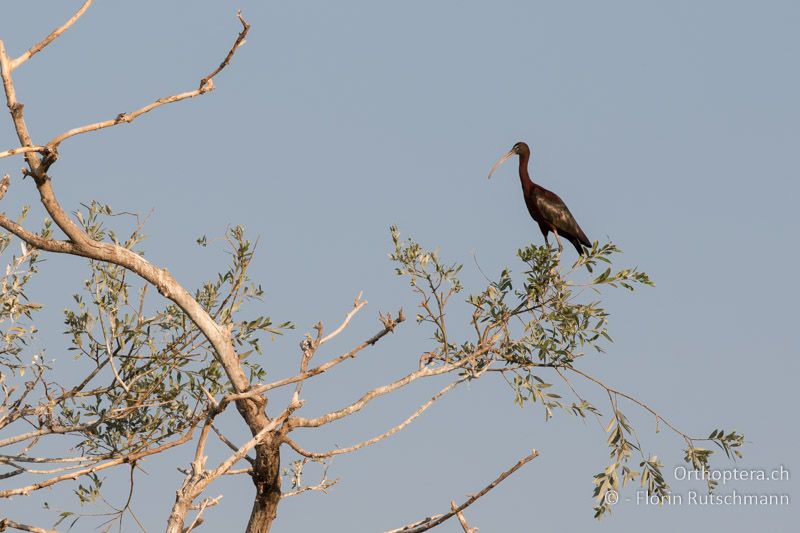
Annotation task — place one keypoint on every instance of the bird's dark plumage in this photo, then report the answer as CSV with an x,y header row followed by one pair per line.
x,y
545,207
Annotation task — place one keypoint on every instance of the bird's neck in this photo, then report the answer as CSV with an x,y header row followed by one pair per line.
x,y
524,177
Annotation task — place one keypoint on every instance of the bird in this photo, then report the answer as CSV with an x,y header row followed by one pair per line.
x,y
545,207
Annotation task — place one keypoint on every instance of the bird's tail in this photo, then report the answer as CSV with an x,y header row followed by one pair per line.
x,y
579,246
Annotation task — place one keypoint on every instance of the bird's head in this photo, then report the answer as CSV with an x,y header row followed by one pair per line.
x,y
520,149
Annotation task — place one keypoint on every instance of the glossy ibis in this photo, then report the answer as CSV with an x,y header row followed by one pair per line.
x,y
545,207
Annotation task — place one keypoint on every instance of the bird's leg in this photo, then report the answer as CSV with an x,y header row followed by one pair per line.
x,y
558,240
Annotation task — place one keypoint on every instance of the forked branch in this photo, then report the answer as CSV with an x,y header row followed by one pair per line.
x,y
359,404
260,389
461,518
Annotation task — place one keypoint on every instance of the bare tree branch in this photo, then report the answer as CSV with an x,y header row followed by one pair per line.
x,y
431,522
198,519
82,245
14,107
22,150
323,485
260,389
38,47
96,468
392,431
206,85
7,523
461,518
358,304
230,444
296,422
53,430
239,42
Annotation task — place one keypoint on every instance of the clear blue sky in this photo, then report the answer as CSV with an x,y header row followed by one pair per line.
x,y
671,128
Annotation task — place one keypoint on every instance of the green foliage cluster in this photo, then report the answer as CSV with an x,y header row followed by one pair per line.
x,y
16,311
149,370
538,325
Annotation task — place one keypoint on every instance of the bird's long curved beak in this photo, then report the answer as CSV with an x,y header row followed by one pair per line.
x,y
500,161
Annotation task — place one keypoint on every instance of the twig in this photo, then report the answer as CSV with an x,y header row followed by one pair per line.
x,y
22,150
230,444
110,353
238,471
429,523
198,519
26,459
53,430
239,42
641,404
309,347
50,38
4,184
322,486
358,304
6,523
461,518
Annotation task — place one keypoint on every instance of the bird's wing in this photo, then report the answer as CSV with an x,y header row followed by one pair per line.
x,y
556,213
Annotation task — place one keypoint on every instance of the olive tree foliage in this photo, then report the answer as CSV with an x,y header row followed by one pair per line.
x,y
155,365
